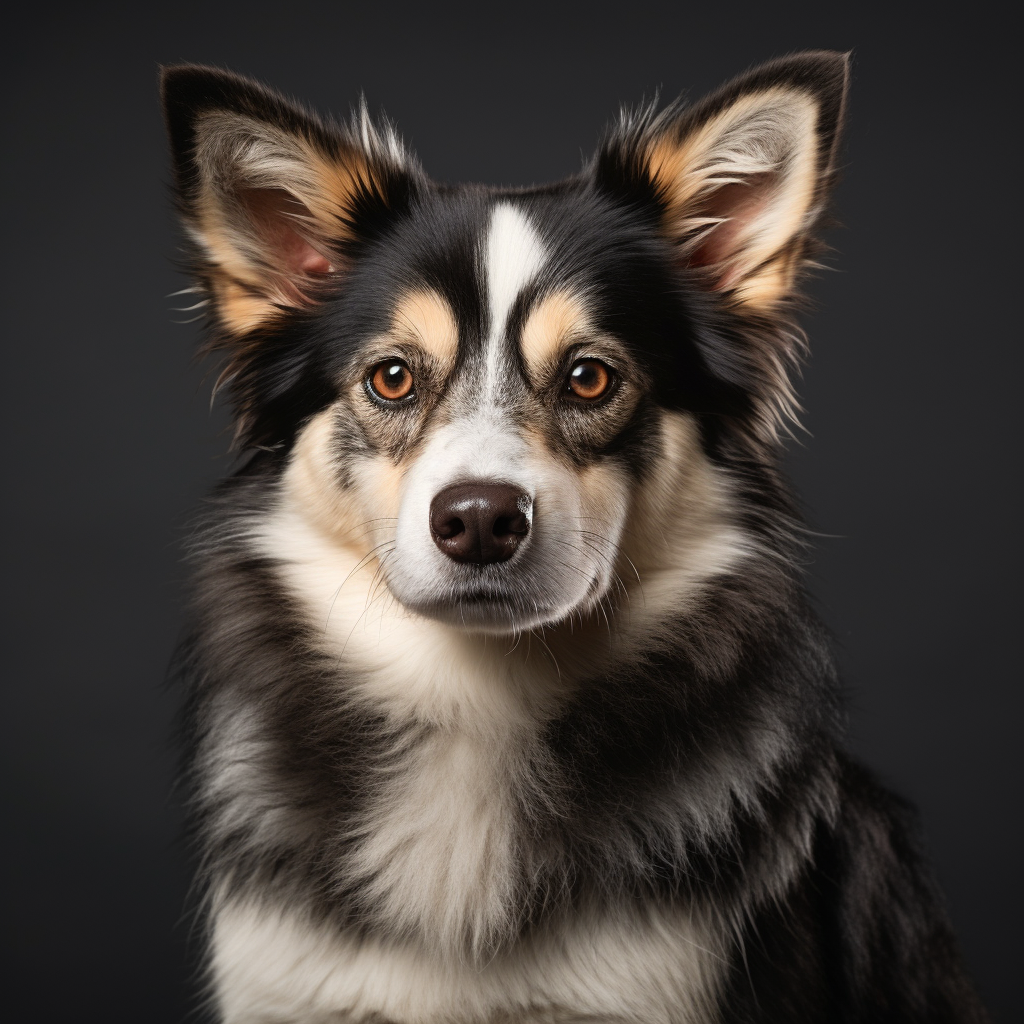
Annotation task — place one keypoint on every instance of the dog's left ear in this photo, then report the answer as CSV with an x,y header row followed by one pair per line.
x,y
740,178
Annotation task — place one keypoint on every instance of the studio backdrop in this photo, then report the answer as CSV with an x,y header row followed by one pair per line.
x,y
908,465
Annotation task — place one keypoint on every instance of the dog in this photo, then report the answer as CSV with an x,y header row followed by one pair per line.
x,y
504,699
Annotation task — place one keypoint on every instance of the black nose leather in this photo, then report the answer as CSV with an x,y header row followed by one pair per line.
x,y
479,521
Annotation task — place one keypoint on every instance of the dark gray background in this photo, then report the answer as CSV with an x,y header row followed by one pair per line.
x,y
911,474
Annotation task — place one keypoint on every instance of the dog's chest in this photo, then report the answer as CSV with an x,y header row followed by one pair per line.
x,y
436,853
623,966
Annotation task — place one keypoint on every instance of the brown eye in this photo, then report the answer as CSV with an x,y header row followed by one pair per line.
x,y
391,380
589,380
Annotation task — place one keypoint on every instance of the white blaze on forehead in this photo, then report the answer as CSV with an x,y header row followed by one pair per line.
x,y
515,256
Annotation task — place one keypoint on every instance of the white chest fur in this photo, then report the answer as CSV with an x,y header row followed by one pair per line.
x,y
436,854
627,967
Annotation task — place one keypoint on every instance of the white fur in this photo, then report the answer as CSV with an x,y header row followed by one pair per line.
x,y
514,256
635,966
436,846
438,850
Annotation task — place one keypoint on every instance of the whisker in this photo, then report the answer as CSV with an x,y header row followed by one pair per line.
x,y
359,565
554,660
355,625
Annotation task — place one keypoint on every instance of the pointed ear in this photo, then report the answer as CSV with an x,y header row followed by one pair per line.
x,y
741,178
275,199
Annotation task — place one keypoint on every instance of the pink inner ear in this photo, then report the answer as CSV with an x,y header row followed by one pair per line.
x,y
739,204
307,259
273,212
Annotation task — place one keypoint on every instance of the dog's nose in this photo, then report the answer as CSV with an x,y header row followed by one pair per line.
x,y
479,522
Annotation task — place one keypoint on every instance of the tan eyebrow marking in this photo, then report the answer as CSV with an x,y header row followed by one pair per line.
x,y
554,322
427,319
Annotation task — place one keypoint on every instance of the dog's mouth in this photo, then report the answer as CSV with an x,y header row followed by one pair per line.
x,y
473,597
485,609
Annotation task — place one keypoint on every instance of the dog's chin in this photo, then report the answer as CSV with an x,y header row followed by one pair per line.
x,y
490,615
487,612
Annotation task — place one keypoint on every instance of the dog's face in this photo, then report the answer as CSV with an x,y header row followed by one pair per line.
x,y
489,423
502,397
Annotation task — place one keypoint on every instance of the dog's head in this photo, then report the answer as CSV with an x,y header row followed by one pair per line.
x,y
506,396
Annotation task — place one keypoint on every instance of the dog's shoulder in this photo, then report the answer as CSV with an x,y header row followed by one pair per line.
x,y
862,934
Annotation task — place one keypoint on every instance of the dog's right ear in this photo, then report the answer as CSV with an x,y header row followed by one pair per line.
x,y
276,200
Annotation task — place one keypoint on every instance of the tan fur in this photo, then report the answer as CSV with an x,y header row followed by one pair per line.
x,y
681,533
312,483
425,318
239,309
554,323
678,532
